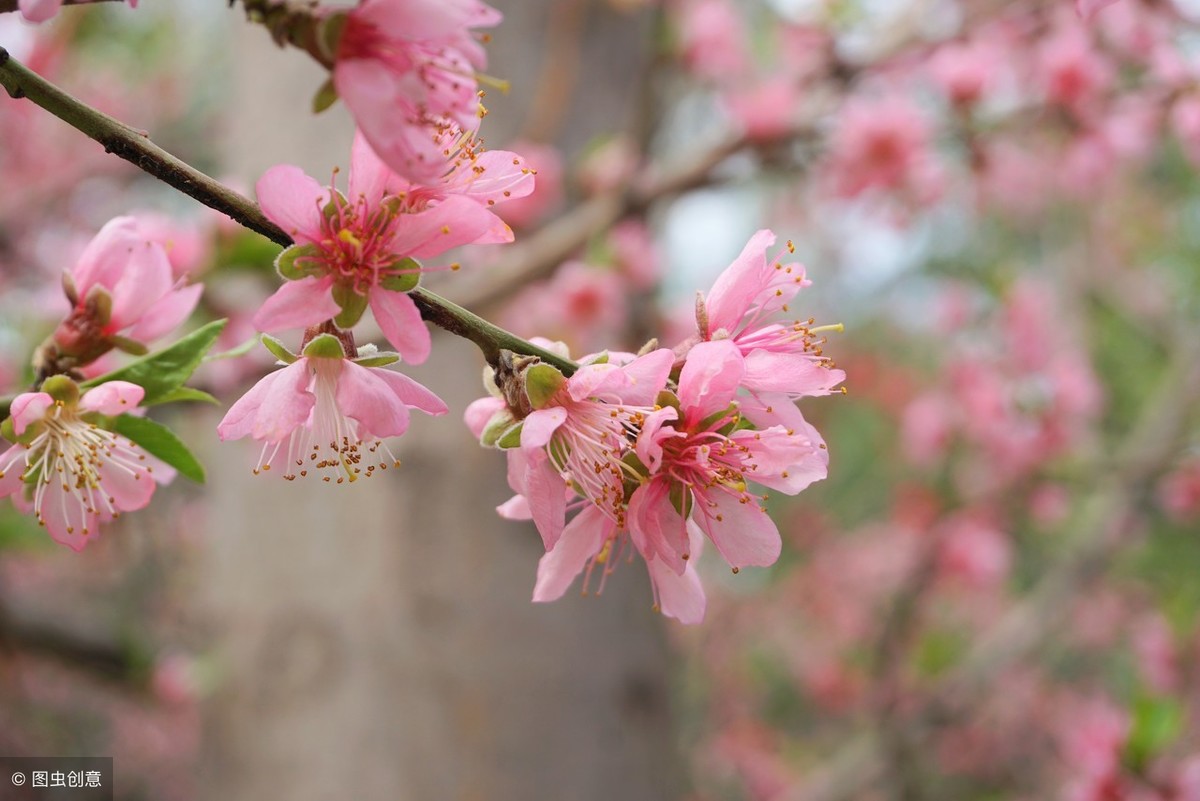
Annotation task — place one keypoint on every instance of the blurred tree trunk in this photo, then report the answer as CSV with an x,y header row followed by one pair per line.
x,y
376,640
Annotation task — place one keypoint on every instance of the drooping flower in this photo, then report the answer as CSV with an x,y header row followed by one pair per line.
x,y
701,458
70,471
123,294
359,251
780,357
328,413
407,72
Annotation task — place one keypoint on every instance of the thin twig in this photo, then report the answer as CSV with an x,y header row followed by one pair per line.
x,y
135,147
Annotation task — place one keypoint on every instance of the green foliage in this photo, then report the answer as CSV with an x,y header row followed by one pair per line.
x,y
160,441
165,371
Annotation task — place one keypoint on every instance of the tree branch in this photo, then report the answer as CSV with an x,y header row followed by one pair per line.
x,y
135,147
12,5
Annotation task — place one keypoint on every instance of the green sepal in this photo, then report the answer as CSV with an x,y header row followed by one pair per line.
x,y
278,349
681,499
166,370
511,438
329,34
495,429
407,281
337,200
286,266
324,346
601,358
98,303
127,345
541,383
183,394
161,442
325,97
61,388
8,430
353,305
667,398
380,359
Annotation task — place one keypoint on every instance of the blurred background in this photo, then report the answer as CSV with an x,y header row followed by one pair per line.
x,y
994,595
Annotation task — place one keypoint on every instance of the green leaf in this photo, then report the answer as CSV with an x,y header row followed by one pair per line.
x,y
166,370
324,346
233,353
541,383
325,97
353,305
186,394
286,264
278,349
160,441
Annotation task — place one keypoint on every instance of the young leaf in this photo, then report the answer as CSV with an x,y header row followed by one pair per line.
x,y
186,394
166,370
160,441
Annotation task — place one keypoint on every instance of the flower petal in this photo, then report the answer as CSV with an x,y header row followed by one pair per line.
x,y
363,395
401,323
168,312
27,408
745,535
582,539
414,394
709,379
112,398
540,426
680,596
293,201
297,304
273,408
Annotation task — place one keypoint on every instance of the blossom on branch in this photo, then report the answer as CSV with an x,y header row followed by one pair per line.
x,y
407,71
361,251
70,471
328,412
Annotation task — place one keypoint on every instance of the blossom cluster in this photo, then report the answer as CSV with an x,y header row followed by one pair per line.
x,y
658,452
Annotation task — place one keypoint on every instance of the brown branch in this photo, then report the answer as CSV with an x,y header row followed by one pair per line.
x,y
13,5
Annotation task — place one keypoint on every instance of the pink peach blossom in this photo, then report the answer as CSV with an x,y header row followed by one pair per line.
x,y
406,70
73,473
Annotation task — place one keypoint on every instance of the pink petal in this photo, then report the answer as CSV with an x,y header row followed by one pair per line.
x,y
680,596
493,177
293,201
658,531
112,398
745,535
647,376
1089,8
273,408
27,408
297,304
363,395
785,462
793,373
540,426
103,260
651,437
544,489
515,508
66,518
737,287
166,314
709,379
39,10
145,279
369,176
128,490
581,540
401,323
12,468
414,394
454,221
479,413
